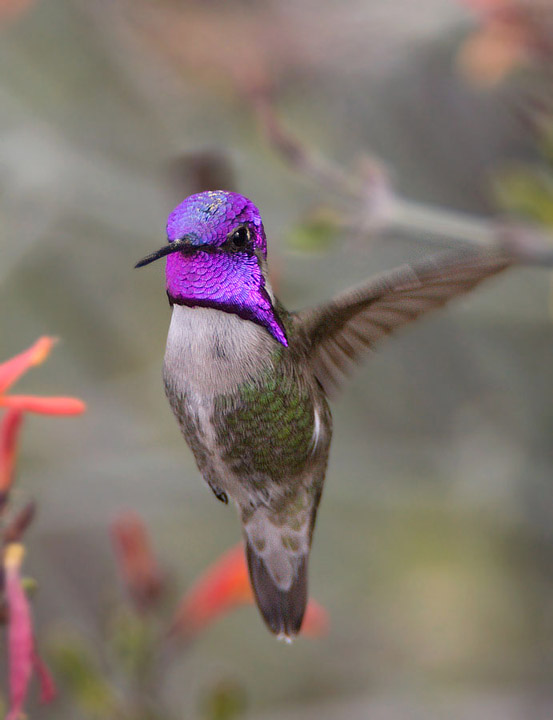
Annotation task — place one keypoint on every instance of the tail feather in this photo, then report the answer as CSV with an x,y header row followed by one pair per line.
x,y
278,546
282,608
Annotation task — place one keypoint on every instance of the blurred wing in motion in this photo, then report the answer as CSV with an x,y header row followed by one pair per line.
x,y
340,333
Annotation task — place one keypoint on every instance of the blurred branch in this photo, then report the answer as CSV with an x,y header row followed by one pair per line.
x,y
296,154
16,528
374,205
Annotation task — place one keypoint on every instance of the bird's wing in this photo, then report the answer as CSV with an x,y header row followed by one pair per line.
x,y
339,333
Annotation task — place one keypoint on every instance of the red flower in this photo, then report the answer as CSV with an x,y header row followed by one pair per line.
x,y
224,586
22,656
20,631
136,559
9,431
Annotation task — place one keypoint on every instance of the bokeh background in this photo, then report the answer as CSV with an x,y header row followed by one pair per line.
x,y
434,548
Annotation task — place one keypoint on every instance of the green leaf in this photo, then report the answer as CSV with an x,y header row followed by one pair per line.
x,y
225,701
316,233
527,192
132,641
30,586
74,665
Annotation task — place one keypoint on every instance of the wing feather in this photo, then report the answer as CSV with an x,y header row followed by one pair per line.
x,y
341,332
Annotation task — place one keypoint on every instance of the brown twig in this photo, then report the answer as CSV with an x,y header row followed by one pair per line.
x,y
377,206
19,523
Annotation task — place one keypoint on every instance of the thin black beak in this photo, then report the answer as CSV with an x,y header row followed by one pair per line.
x,y
175,246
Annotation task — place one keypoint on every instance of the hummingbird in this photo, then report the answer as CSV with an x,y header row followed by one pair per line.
x,y
249,382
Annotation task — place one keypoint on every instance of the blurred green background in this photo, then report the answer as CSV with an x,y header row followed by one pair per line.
x,y
434,547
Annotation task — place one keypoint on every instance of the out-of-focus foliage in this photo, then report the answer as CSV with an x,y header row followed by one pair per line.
x,y
315,233
227,701
528,192
514,42
120,673
74,664
526,189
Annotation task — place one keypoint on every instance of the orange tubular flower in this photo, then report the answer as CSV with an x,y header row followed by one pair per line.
x,y
511,33
43,405
12,369
9,431
22,657
10,372
224,586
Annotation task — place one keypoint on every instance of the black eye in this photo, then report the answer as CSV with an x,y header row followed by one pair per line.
x,y
240,238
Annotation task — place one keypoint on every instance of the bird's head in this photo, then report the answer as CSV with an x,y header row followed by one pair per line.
x,y
216,257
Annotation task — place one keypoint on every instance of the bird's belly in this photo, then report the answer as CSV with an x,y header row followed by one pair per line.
x,y
255,431
196,420
209,356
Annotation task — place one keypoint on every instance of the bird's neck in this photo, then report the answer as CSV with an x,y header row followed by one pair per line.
x,y
211,352
223,283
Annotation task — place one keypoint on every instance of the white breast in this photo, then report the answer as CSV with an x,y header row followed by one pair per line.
x,y
209,352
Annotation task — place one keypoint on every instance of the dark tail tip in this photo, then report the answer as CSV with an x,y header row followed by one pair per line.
x,y
282,610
